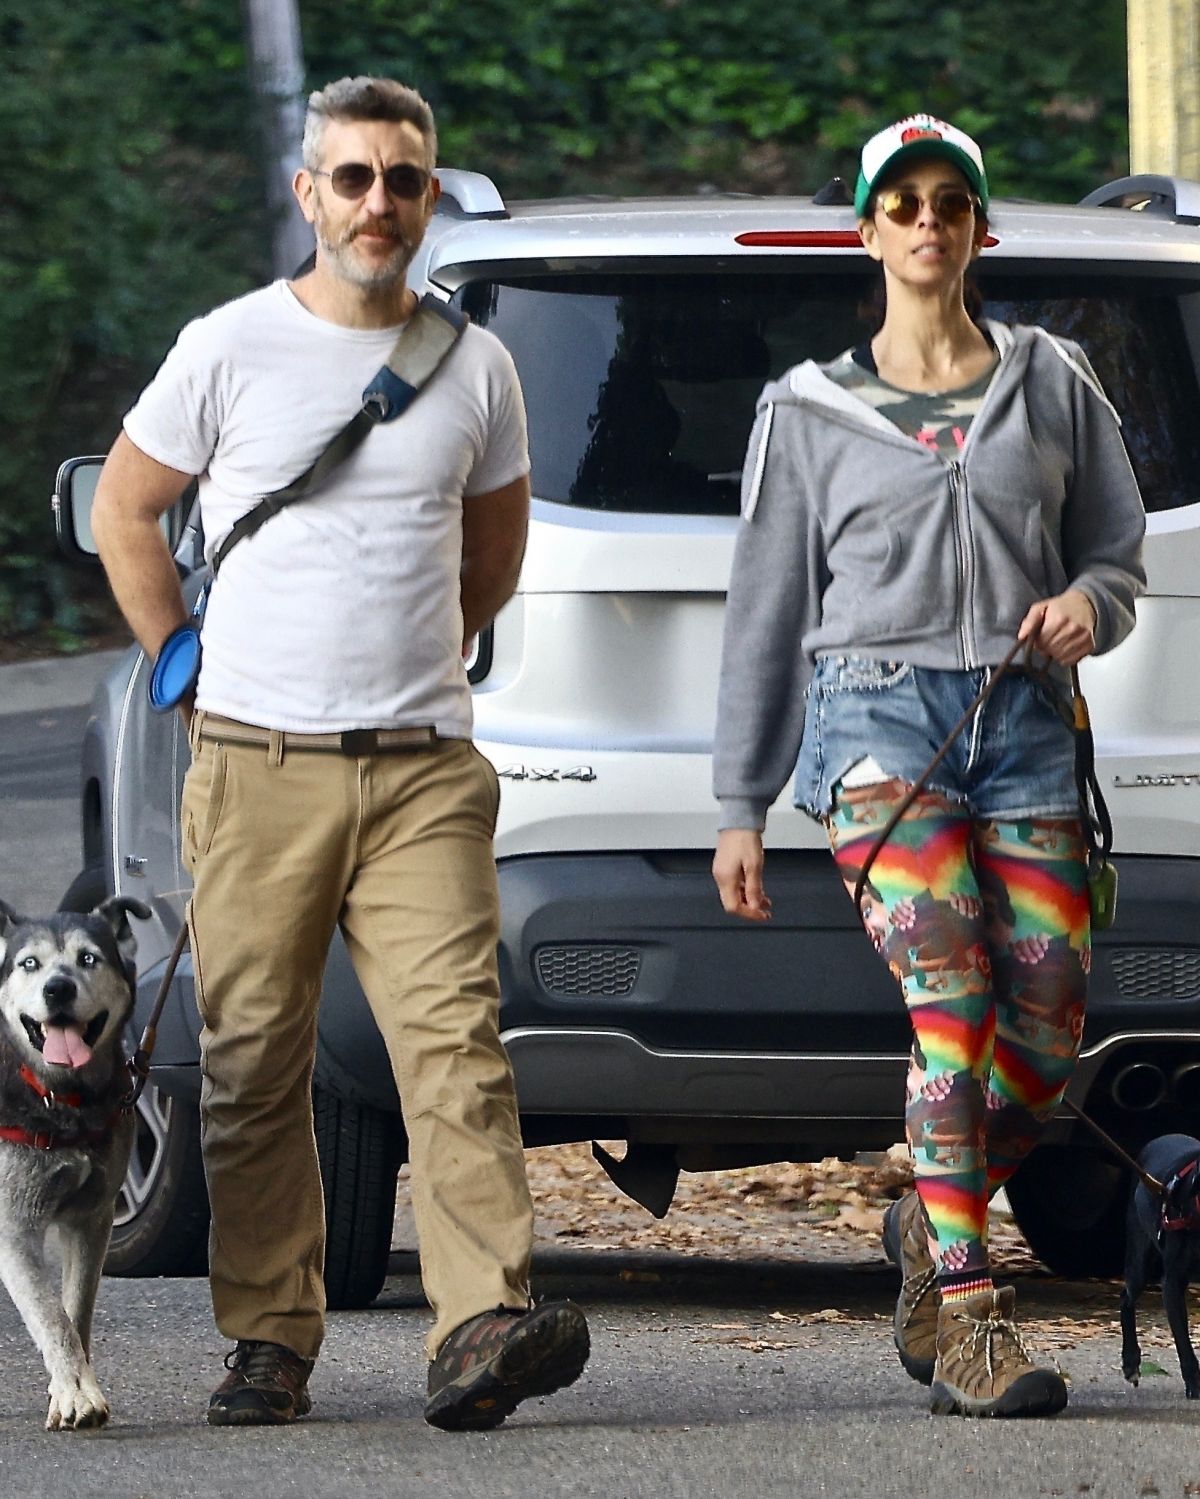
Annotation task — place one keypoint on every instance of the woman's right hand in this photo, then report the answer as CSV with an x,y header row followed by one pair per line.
x,y
738,869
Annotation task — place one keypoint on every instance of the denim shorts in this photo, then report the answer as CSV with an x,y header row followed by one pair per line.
x,y
1015,758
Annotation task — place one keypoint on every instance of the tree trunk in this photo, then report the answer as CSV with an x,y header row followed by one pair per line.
x,y
276,61
1164,87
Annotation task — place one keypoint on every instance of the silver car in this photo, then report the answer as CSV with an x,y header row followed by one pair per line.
x,y
633,1008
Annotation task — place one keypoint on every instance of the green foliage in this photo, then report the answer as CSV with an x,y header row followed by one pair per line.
x,y
567,96
130,198
128,203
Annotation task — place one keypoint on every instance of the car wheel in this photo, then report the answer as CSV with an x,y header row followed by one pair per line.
x,y
1070,1204
161,1222
360,1150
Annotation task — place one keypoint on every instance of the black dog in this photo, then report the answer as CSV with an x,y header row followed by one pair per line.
x,y
1163,1244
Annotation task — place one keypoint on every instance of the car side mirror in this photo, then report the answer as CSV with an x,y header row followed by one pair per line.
x,y
74,493
72,500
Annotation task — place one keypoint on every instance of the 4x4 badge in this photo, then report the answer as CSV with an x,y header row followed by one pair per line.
x,y
537,773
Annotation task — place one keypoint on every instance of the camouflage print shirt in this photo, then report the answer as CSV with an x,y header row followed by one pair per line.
x,y
938,419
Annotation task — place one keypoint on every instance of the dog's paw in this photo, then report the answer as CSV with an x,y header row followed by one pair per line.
x,y
1192,1389
1131,1374
76,1403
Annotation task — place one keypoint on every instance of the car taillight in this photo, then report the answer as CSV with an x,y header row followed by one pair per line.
x,y
802,239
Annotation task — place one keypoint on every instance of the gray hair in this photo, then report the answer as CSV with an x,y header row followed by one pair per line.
x,y
366,98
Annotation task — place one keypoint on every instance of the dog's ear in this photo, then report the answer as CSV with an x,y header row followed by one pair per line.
x,y
8,920
116,910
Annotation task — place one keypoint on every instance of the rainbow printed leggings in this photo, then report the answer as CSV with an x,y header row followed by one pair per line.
x,y
986,927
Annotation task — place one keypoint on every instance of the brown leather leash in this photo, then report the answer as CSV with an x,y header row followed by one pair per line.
x,y
1086,777
139,1062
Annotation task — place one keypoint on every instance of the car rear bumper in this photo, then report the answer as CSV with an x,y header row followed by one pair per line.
x,y
629,994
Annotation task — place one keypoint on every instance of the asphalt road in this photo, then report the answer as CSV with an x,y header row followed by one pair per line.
x,y
694,1389
710,1376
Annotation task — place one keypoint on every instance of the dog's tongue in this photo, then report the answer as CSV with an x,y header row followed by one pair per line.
x,y
65,1048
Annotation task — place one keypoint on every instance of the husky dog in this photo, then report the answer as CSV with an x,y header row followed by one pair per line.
x,y
66,992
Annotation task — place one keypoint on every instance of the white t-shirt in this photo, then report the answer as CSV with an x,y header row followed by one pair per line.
x,y
343,611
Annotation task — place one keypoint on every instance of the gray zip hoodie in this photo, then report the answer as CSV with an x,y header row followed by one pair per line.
x,y
855,538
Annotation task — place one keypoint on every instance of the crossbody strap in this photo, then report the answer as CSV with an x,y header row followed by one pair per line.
x,y
424,344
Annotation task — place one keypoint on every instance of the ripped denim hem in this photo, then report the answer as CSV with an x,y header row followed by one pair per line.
x,y
820,802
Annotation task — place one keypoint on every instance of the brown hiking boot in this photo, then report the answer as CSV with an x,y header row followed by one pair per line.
x,y
983,1365
267,1385
916,1321
486,1367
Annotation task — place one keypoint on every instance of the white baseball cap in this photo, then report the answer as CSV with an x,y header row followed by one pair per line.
x,y
919,135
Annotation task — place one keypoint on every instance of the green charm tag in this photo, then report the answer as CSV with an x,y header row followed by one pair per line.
x,y
1102,895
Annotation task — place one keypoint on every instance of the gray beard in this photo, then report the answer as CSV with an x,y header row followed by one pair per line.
x,y
340,255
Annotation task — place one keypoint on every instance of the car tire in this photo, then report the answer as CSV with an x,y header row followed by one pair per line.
x,y
360,1150
1070,1204
161,1221
86,890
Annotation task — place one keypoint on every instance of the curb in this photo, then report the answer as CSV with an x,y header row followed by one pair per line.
x,y
56,682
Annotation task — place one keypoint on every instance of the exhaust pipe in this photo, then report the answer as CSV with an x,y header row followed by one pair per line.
x,y
1141,1087
1185,1087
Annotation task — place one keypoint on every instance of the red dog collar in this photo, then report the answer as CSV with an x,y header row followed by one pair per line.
x,y
31,1079
1189,1220
45,1139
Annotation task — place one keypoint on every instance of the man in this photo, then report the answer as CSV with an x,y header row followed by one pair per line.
x,y
347,611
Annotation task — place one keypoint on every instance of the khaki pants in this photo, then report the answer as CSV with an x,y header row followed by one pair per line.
x,y
396,848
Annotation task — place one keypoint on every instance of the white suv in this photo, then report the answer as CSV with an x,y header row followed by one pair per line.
x,y
633,1008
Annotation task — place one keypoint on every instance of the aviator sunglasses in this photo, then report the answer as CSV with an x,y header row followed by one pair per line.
x,y
952,205
353,179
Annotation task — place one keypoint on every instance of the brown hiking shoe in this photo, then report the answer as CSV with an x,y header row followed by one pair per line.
x,y
486,1367
267,1385
983,1365
916,1321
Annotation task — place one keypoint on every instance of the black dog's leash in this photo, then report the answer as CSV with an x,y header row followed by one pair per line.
x,y
1089,787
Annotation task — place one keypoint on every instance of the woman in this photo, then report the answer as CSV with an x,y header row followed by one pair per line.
x,y
909,509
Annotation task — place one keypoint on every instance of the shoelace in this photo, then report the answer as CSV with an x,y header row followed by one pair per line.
x,y
987,1330
916,1287
254,1361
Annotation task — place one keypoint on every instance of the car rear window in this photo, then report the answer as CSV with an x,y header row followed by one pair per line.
x,y
641,387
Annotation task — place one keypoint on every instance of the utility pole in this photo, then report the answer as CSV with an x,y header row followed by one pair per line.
x,y
1164,87
276,60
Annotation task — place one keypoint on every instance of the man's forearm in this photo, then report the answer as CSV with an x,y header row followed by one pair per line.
x,y
132,493
142,576
494,529
483,596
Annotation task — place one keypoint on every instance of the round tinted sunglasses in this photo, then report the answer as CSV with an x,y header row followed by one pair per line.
x,y
952,205
353,179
